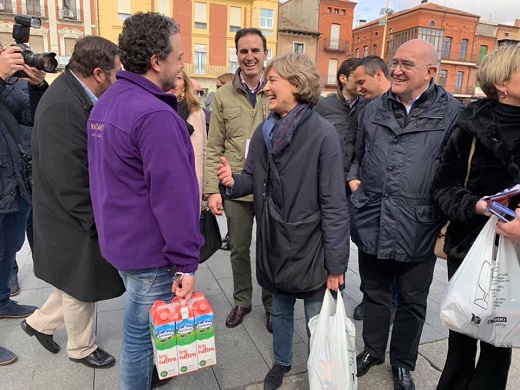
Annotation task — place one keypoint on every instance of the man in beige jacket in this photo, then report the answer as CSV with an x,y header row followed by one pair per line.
x,y
239,107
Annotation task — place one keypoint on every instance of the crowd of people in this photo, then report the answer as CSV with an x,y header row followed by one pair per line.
x,y
112,189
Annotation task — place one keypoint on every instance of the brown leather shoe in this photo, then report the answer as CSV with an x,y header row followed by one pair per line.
x,y
236,316
269,322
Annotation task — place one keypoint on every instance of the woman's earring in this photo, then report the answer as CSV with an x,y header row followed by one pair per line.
x,y
503,95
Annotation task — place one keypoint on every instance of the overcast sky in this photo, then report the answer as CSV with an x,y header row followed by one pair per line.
x,y
498,11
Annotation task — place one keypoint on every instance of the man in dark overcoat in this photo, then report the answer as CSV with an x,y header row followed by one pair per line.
x,y
66,250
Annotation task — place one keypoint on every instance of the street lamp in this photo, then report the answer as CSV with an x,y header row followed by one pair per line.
x,y
385,27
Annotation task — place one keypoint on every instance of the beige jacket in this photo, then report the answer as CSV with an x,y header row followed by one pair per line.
x,y
233,122
199,140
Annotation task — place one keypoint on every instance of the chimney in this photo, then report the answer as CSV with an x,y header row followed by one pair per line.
x,y
424,1
362,21
517,22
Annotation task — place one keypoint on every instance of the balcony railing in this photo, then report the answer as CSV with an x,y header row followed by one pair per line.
x,y
461,57
331,44
460,90
206,70
69,15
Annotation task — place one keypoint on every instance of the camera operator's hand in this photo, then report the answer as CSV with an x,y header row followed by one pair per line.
x,y
35,77
11,61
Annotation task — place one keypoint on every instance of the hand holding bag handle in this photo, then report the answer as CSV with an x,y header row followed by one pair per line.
x,y
211,233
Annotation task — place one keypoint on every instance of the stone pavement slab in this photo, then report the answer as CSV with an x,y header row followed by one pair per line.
x,y
244,354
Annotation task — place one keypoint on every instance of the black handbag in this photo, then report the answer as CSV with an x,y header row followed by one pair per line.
x,y
211,233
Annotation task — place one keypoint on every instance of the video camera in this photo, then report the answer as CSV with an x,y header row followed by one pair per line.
x,y
21,30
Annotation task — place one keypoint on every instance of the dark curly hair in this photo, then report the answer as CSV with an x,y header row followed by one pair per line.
x,y
143,35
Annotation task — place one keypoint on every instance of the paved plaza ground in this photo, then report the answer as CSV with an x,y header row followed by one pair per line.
x,y
244,354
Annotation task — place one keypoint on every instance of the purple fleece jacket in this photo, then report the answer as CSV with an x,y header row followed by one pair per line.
x,y
142,178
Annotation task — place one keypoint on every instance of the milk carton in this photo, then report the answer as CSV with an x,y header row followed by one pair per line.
x,y
164,340
204,331
186,340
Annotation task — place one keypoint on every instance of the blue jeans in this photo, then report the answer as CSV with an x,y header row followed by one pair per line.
x,y
12,237
143,288
282,315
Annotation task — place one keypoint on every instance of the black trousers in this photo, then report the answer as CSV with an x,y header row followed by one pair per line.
x,y
413,284
460,371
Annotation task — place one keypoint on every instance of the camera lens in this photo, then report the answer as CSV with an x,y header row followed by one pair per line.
x,y
44,61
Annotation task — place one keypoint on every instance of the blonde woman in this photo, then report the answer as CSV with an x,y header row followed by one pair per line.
x,y
493,124
191,111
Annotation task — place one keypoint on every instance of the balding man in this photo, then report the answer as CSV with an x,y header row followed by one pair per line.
x,y
394,218
199,93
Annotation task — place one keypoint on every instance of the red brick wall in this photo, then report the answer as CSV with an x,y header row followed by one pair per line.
x,y
218,27
326,19
182,13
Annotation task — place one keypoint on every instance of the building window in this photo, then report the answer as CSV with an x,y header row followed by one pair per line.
x,y
506,35
343,12
266,21
333,69
200,59
374,50
365,51
201,20
235,19
432,23
336,11
458,81
69,45
482,53
446,47
163,6
233,60
329,10
124,9
33,7
443,76
463,49
357,53
269,56
298,47
334,35
69,9
376,34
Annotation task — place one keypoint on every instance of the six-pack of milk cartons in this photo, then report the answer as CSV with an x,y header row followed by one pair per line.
x,y
183,335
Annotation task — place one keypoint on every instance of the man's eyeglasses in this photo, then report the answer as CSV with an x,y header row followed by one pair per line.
x,y
405,65
199,92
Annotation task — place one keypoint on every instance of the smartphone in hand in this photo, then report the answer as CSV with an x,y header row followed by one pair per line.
x,y
502,212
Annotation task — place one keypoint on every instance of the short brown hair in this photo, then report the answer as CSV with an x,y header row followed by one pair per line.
x,y
91,52
299,70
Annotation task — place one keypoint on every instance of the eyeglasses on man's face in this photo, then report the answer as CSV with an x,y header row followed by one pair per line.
x,y
405,65
199,92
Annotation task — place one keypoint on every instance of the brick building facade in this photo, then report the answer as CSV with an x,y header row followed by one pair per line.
x,y
333,19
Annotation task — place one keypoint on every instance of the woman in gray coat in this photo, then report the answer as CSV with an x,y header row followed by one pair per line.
x,y
294,169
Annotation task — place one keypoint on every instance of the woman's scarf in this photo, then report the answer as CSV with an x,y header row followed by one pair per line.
x,y
278,132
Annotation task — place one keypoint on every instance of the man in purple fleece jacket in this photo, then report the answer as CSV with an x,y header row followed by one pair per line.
x,y
143,185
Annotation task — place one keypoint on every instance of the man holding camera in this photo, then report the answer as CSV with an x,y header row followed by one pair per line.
x,y
18,101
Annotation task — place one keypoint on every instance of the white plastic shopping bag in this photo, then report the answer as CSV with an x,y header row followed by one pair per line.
x,y
483,298
332,357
